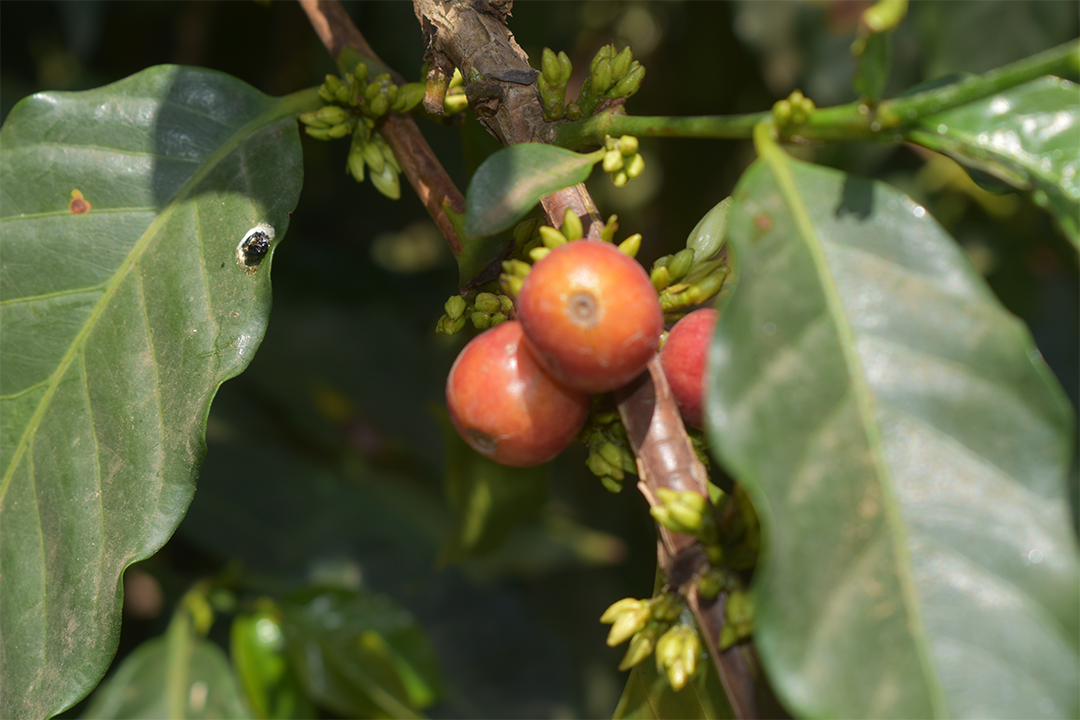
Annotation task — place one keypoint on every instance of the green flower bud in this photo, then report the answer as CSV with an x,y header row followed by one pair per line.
x,y
331,115
708,235
605,51
627,144
600,467
355,164
339,131
680,264
551,237
387,153
884,15
613,161
390,90
360,72
660,278
612,485
620,64
549,66
409,96
781,112
486,302
566,68
612,453
636,166
524,231
455,103
497,318
387,181
326,94
602,79
640,648
669,648
318,133
728,636
631,83
706,287
539,253
379,105
620,178
480,321
552,98
709,585
311,119
374,157
455,307
618,608
510,284
628,624
571,227
608,233
518,268
573,111
667,607
505,304
343,95
631,245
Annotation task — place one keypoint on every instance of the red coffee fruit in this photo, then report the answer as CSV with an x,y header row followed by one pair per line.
x,y
505,406
590,315
683,358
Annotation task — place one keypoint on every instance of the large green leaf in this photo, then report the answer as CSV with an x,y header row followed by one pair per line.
x,y
510,183
1027,136
906,448
119,324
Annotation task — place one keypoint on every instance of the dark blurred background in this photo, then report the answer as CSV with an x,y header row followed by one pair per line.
x,y
327,458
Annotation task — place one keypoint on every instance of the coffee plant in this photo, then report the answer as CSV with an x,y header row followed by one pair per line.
x,y
857,496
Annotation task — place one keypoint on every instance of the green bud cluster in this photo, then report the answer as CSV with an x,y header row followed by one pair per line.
x,y
695,274
622,159
356,106
686,512
455,101
793,111
643,623
739,613
513,275
610,456
483,309
611,76
677,653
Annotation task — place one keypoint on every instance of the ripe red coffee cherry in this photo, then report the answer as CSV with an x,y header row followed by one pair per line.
x,y
683,359
590,315
505,406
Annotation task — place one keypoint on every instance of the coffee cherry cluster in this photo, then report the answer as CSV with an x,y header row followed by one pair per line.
x,y
583,320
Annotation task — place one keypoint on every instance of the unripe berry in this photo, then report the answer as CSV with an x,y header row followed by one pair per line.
x,y
505,406
683,358
590,316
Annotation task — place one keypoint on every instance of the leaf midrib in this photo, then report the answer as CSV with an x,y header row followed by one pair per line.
x,y
284,107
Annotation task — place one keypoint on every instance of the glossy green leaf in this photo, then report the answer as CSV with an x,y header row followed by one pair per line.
x,y
1026,136
906,448
138,689
648,696
360,654
510,183
119,324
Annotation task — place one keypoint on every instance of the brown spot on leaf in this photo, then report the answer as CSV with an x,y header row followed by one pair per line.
x,y
78,205
764,222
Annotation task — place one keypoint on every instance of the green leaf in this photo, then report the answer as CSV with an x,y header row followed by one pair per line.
x,y
648,696
119,324
510,183
906,448
138,688
1026,136
359,654
872,70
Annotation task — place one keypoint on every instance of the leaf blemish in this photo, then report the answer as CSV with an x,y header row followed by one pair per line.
x,y
764,222
78,205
